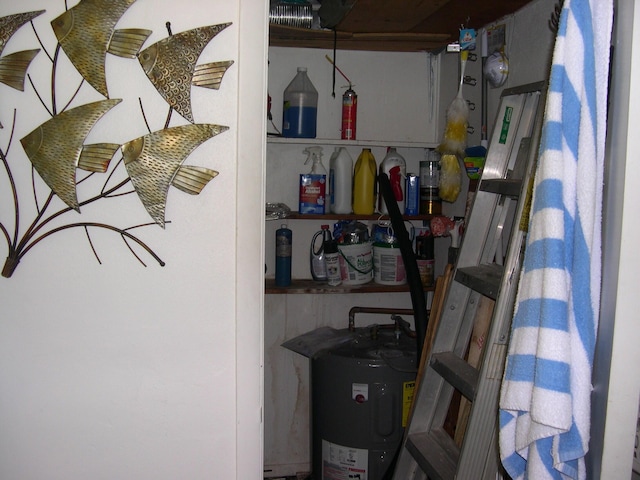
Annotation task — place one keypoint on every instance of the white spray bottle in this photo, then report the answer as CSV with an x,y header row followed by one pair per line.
x,y
314,154
313,184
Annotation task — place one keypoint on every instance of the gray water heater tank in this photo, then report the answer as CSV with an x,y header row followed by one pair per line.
x,y
361,394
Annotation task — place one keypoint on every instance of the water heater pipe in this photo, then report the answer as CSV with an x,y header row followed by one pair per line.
x,y
377,310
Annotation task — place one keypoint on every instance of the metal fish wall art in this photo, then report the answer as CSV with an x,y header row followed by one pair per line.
x,y
56,148
86,33
13,67
171,66
154,163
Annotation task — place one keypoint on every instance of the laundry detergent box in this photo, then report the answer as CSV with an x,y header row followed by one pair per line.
x,y
312,193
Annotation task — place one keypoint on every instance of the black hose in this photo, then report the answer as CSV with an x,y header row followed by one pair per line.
x,y
420,315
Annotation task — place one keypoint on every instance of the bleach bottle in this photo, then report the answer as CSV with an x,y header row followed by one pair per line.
x,y
340,181
317,254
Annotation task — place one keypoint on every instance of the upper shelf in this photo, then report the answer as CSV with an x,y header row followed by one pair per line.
x,y
281,36
410,26
348,143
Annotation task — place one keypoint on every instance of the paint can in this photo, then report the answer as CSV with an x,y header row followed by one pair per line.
x,y
356,263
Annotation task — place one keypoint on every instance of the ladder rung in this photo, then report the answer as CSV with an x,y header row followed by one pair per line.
x,y
436,453
502,186
484,279
458,373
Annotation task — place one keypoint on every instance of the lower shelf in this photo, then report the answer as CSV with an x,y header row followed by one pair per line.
x,y
312,287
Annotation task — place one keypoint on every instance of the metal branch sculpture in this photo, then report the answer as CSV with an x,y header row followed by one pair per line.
x,y
57,149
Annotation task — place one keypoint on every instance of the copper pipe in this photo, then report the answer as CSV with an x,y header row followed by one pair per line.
x,y
377,310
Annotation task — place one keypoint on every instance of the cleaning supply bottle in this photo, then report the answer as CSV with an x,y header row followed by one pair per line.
x,y
425,258
340,181
283,256
395,167
332,261
364,183
300,107
314,156
313,184
317,255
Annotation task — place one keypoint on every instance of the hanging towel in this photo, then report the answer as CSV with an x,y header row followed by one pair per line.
x,y
545,396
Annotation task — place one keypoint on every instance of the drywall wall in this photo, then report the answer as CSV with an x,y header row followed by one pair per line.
x,y
110,368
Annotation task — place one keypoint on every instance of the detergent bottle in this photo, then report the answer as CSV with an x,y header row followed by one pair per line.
x,y
313,184
364,183
395,167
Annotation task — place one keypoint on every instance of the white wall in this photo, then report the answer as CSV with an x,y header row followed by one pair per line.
x,y
116,370
616,386
529,44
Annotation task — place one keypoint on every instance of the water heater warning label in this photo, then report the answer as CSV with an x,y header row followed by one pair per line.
x,y
407,397
343,463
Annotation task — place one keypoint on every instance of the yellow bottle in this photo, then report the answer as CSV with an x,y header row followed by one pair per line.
x,y
364,183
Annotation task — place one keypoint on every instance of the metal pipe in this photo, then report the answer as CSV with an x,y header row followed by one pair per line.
x,y
377,310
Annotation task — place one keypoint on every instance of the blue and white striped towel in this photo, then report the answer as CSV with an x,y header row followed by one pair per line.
x,y
545,398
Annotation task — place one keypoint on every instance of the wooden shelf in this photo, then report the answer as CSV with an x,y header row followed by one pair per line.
x,y
381,25
273,139
304,286
284,36
351,216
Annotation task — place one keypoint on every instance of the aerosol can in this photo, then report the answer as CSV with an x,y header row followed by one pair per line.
x,y
349,114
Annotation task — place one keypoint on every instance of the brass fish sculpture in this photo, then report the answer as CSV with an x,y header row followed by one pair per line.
x,y
171,66
13,67
86,33
56,149
154,163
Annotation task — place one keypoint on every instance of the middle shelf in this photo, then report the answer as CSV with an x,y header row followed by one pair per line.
x,y
306,286
350,216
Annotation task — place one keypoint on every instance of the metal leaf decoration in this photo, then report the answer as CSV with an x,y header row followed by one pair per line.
x,y
153,163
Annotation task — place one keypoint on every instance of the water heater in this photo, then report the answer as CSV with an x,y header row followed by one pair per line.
x,y
361,394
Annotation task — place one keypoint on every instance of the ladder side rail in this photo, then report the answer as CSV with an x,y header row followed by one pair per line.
x,y
484,204
458,346
501,144
434,388
483,414
434,404
528,118
524,125
425,444
483,417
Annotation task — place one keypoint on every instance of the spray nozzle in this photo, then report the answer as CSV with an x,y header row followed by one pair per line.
x,y
313,153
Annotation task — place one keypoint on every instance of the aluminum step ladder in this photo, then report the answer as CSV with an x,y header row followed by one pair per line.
x,y
496,223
